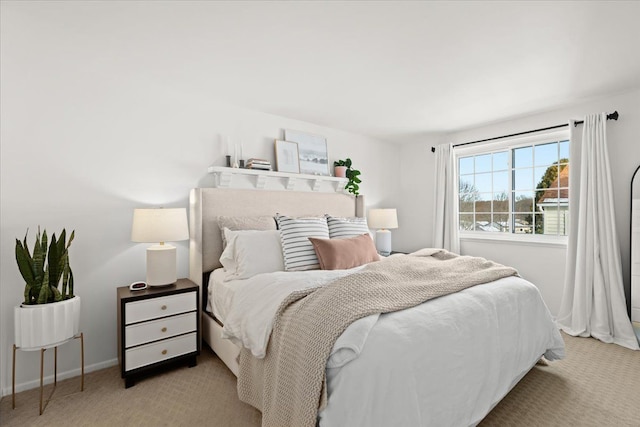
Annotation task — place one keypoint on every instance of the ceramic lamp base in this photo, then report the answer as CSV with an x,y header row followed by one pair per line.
x,y
161,265
383,242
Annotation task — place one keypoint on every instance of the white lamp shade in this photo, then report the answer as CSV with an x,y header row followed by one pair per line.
x,y
382,219
159,225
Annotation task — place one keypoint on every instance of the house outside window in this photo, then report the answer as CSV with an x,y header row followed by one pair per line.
x,y
515,188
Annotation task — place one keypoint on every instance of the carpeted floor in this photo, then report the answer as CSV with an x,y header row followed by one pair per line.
x,y
596,385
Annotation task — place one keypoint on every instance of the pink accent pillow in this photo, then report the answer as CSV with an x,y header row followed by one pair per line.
x,y
341,254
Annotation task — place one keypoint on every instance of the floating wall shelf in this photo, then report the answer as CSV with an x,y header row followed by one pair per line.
x,y
224,177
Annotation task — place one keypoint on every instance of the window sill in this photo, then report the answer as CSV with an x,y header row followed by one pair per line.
x,y
548,241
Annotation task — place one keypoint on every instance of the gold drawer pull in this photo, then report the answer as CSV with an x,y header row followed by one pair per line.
x,y
164,307
164,329
164,351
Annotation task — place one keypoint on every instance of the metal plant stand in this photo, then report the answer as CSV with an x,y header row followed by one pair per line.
x,y
55,370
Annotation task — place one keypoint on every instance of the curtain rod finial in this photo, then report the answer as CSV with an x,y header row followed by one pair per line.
x,y
433,149
613,116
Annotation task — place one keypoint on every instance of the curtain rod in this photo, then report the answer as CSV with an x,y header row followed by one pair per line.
x,y
612,116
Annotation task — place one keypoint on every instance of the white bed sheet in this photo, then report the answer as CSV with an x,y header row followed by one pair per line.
x,y
445,362
220,294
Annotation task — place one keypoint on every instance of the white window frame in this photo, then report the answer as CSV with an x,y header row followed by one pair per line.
x,y
502,145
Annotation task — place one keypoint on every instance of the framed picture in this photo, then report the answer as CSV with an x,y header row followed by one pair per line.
x,y
287,157
312,151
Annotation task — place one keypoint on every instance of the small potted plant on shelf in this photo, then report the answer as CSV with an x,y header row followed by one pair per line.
x,y
342,168
48,316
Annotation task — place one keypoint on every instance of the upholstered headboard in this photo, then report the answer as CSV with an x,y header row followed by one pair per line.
x,y
207,204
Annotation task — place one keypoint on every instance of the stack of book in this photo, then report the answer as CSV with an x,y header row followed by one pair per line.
x,y
259,164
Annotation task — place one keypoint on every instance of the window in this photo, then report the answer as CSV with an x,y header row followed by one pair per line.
x,y
516,187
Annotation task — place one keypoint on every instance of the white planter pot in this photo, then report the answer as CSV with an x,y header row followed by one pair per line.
x,y
46,325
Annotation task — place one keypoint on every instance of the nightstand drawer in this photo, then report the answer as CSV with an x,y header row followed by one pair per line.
x,y
138,311
160,329
161,350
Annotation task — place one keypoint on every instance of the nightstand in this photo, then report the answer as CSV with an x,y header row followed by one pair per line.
x,y
157,326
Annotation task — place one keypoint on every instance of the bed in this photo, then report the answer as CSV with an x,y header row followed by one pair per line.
x,y
448,361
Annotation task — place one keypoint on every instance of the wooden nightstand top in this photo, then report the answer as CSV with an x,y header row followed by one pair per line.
x,y
182,285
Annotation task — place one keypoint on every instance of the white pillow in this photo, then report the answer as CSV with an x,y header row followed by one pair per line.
x,y
251,252
344,228
298,251
244,223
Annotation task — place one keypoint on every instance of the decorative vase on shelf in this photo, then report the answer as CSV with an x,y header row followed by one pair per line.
x,y
340,171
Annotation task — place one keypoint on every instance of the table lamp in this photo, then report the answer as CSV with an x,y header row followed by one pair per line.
x,y
160,226
383,220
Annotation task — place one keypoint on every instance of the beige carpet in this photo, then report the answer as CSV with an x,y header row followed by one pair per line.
x,y
597,385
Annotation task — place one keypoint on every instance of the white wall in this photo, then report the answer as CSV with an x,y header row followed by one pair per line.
x,y
415,206
542,265
84,142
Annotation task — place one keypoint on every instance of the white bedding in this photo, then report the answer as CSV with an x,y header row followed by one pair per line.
x,y
479,342
446,362
220,294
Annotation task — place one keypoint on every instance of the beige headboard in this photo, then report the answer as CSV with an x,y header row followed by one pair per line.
x,y
206,204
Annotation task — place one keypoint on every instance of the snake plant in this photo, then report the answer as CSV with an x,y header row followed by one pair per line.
x,y
43,270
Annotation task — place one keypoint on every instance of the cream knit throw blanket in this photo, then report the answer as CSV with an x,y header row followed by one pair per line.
x,y
288,385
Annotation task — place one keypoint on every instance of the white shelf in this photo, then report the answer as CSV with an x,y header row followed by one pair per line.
x,y
224,178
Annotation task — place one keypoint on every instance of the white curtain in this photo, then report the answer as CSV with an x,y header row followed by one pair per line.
x,y
593,302
445,225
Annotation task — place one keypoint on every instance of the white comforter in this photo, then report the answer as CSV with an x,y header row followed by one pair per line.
x,y
446,362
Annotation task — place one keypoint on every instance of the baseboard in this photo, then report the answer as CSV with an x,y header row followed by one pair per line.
x,y
61,376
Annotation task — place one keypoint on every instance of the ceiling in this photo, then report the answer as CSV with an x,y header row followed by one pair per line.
x,y
391,70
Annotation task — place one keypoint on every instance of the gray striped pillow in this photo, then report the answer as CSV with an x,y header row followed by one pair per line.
x,y
297,249
343,228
